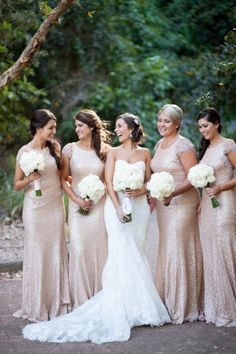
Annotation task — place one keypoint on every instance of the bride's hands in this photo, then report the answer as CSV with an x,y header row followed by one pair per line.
x,y
132,193
121,215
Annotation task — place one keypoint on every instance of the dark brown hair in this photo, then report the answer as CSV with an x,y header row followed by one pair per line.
x,y
133,122
211,115
100,135
39,119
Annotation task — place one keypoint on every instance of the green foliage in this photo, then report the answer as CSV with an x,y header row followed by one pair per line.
x,y
116,56
135,56
11,202
19,98
16,102
120,56
45,8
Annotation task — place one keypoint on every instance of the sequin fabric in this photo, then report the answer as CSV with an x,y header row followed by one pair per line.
x,y
218,238
88,236
179,264
45,265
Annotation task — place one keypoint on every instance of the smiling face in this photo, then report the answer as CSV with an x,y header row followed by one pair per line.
x,y
122,130
83,131
207,129
166,126
48,131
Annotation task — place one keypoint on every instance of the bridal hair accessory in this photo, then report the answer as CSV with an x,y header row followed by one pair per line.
x,y
136,121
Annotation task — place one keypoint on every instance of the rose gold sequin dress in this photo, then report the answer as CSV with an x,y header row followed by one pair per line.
x,y
179,264
45,266
218,238
88,237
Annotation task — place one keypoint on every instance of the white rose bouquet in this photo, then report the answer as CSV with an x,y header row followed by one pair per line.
x,y
32,161
161,185
125,179
90,188
201,176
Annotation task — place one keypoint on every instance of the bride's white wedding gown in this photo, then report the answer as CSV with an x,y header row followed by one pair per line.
x,y
128,298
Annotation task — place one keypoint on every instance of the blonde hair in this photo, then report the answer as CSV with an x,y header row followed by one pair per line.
x,y
174,112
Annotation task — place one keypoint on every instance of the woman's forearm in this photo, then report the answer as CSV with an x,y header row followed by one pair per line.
x,y
21,184
69,191
182,188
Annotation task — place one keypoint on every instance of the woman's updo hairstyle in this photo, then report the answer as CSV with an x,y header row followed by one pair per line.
x,y
133,123
174,112
212,116
39,119
100,134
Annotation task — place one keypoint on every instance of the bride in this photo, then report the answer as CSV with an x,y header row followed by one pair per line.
x,y
129,297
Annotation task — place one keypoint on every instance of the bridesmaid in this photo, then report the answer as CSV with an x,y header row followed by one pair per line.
x,y
45,268
218,226
88,238
179,264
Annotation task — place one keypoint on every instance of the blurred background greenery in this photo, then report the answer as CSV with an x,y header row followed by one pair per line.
x,y
115,56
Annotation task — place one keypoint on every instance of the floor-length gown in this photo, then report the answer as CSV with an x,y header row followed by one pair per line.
x,y
88,236
179,264
45,264
218,238
128,298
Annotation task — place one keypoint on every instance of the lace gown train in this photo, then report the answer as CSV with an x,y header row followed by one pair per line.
x,y
128,298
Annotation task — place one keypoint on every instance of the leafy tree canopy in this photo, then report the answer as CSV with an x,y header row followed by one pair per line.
x,y
120,55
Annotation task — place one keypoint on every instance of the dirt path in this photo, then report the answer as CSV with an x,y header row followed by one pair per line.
x,y
11,241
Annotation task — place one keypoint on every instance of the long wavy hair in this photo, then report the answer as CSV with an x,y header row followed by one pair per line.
x,y
100,134
133,122
211,115
39,119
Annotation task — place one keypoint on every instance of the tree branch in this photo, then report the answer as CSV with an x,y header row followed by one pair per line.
x,y
26,56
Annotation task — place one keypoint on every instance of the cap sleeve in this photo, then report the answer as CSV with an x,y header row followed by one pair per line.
x,y
184,145
20,152
229,146
67,150
157,144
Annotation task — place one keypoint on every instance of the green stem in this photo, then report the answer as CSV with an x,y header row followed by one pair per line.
x,y
214,202
38,193
83,211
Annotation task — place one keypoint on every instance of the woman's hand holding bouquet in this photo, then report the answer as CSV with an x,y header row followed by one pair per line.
x,y
128,180
161,185
31,162
201,176
91,189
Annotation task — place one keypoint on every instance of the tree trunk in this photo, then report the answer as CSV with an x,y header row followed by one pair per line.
x,y
26,56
